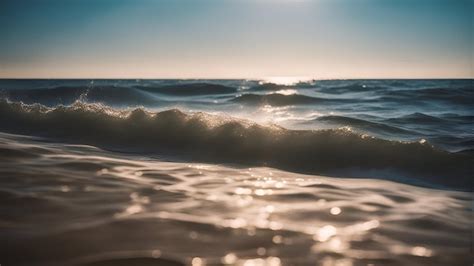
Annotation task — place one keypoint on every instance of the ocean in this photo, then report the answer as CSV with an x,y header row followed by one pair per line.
x,y
236,172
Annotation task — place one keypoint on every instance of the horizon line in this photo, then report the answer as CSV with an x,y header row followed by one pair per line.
x,y
232,78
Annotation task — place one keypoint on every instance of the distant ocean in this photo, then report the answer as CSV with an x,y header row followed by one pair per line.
x,y
342,172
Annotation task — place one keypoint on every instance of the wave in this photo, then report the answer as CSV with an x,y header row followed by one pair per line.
x,y
416,118
461,119
351,88
363,124
277,99
458,96
112,95
204,137
441,124
189,89
65,95
271,87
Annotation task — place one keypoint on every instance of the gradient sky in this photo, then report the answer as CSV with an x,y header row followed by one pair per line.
x,y
236,38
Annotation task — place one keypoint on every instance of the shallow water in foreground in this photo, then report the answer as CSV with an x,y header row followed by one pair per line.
x,y
64,204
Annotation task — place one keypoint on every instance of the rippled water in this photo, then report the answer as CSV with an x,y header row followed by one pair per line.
x,y
73,204
111,173
439,111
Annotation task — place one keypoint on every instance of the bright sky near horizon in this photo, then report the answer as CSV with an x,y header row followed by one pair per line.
x,y
236,38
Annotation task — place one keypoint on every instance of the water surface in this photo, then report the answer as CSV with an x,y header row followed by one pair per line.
x,y
336,172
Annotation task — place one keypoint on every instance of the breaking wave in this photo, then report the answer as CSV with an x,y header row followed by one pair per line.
x,y
204,137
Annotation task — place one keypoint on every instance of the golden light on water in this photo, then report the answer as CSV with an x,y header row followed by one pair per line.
x,y
230,258
287,81
196,261
325,233
254,209
335,210
287,92
421,251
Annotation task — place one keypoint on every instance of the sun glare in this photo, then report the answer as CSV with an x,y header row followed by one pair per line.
x,y
287,81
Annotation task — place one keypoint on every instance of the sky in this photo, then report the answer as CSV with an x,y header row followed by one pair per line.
x,y
236,38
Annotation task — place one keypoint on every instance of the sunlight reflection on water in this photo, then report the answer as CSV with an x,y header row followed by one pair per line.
x,y
241,216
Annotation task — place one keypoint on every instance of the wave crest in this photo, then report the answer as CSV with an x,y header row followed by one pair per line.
x,y
204,137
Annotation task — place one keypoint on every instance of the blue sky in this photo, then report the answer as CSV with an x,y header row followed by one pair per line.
x,y
236,38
